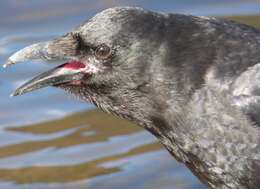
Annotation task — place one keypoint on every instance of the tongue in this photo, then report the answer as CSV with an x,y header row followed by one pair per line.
x,y
74,65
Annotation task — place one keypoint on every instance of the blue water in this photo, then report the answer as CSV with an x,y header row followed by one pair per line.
x,y
26,22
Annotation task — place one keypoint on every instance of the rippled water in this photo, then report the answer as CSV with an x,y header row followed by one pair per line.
x,y
45,143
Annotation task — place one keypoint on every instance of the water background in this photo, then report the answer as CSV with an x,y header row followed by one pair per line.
x,y
48,139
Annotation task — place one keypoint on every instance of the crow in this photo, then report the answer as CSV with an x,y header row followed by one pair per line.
x,y
193,82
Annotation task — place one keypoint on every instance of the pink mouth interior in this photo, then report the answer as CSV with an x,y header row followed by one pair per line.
x,y
74,65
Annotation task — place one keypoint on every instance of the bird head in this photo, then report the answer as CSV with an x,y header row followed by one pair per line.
x,y
111,60
106,50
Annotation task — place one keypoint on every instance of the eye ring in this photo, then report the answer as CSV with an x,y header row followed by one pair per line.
x,y
103,52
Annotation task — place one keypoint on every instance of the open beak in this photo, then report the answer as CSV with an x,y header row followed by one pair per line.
x,y
63,48
59,75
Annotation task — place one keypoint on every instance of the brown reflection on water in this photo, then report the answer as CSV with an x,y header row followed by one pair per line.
x,y
104,127
72,173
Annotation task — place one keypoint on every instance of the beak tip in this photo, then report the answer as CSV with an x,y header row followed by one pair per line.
x,y
8,63
16,93
12,95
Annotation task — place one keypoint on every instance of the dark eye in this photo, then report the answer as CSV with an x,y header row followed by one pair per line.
x,y
103,52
